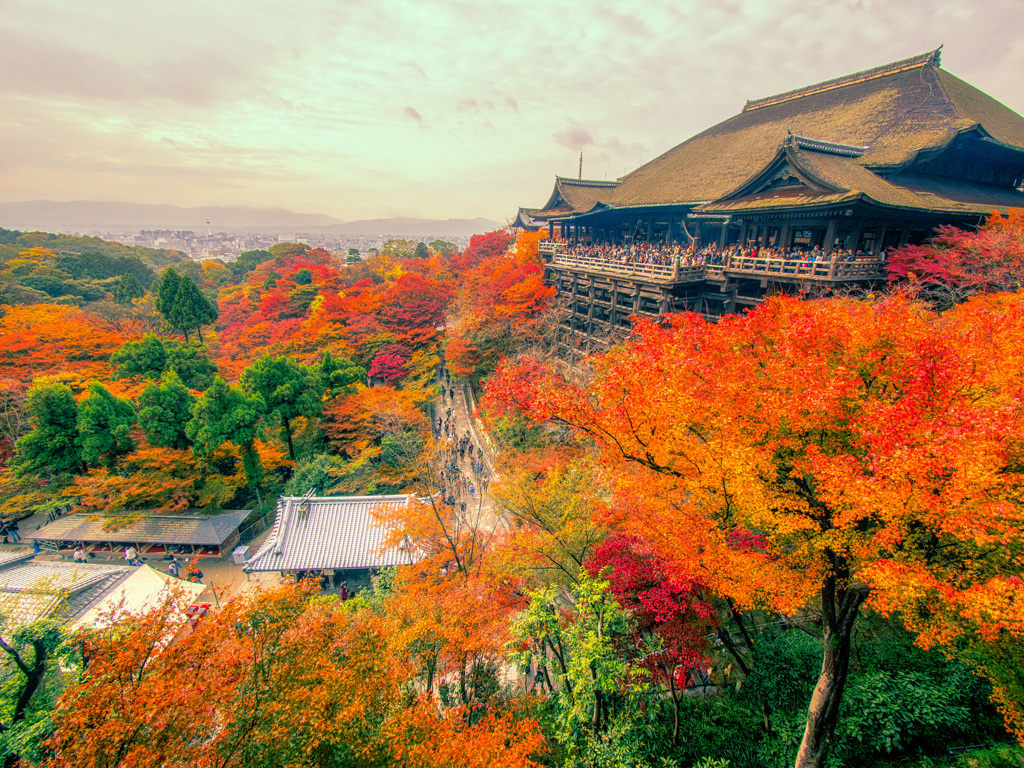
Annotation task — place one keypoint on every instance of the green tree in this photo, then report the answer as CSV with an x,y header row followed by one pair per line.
x,y
165,294
191,309
104,426
353,257
52,446
192,364
287,250
182,304
421,252
128,288
146,358
152,357
442,246
248,261
399,247
338,375
226,414
302,277
25,699
164,412
287,388
589,669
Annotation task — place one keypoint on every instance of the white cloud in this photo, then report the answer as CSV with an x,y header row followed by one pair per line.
x,y
265,102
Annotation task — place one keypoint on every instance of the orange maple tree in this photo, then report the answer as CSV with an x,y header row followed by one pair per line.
x,y
871,449
55,340
277,677
499,306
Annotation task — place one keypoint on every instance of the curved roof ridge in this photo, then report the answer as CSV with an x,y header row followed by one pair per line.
x,y
586,182
829,147
931,58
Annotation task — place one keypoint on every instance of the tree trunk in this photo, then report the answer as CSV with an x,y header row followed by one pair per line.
x,y
675,708
288,434
839,607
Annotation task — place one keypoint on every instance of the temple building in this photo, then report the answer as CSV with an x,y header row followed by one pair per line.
x,y
867,162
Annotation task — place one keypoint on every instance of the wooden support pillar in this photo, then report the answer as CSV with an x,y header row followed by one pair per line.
x,y
743,233
668,232
650,229
613,310
590,307
855,235
785,234
879,240
904,236
724,235
551,230
830,235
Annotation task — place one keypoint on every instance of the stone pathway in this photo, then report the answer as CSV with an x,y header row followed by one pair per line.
x,y
459,400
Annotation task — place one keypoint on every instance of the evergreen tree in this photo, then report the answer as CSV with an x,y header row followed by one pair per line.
x,y
192,364
146,358
104,426
52,445
338,376
225,414
191,309
287,388
248,261
164,412
128,288
152,357
166,292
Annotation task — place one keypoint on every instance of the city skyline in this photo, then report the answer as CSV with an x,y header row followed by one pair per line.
x,y
452,110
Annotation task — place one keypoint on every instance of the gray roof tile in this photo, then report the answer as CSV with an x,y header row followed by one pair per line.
x,y
38,588
329,533
177,528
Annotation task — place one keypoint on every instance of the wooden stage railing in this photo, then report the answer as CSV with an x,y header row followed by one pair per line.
x,y
832,270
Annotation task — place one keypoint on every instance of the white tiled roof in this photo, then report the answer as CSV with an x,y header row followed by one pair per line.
x,y
329,533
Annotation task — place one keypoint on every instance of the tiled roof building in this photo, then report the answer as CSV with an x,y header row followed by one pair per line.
x,y
337,533
869,160
799,193
192,528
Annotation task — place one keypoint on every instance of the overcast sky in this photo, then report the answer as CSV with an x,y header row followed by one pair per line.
x,y
370,108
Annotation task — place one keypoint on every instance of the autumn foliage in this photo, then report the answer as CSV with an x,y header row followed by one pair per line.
x,y
273,679
872,446
956,264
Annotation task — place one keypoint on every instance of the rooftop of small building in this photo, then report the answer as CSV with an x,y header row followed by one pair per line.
x,y
186,527
330,533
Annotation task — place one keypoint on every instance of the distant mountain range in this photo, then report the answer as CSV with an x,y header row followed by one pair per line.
x,y
88,216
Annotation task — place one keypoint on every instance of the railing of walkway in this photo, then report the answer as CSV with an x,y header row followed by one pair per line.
x,y
837,268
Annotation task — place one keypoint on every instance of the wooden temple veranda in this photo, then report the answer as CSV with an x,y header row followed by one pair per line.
x,y
860,164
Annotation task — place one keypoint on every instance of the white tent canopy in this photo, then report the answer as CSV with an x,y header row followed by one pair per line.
x,y
142,591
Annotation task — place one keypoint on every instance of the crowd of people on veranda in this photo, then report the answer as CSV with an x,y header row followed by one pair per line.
x,y
662,254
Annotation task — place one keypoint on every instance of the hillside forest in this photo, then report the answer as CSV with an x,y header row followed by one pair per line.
x,y
791,537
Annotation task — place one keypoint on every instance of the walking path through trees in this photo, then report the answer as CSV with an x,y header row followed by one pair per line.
x,y
469,466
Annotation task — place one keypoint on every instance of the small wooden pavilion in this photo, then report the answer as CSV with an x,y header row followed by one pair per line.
x,y
188,532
